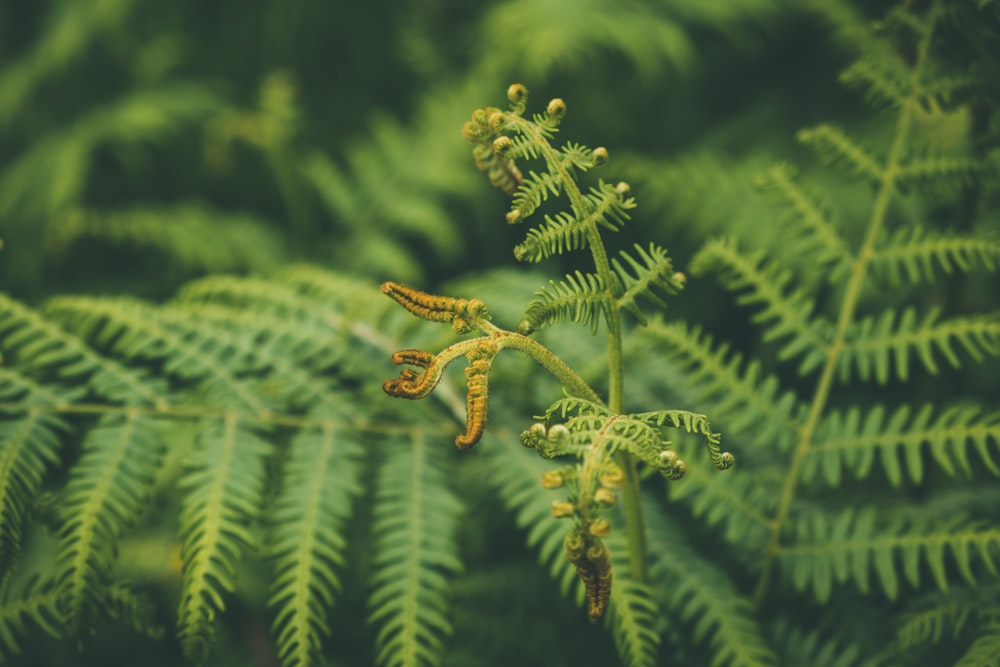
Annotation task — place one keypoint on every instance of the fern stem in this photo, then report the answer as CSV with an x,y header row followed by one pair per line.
x,y
852,296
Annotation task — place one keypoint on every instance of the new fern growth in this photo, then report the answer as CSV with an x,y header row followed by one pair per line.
x,y
608,442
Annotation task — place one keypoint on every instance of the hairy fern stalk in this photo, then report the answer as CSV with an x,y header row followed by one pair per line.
x,y
191,467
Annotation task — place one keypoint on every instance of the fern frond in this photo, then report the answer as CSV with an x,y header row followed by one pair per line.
x,y
742,505
929,625
834,146
415,555
811,225
632,613
553,237
320,479
883,78
108,489
535,188
580,297
782,316
985,649
34,344
33,603
915,255
851,440
652,271
831,550
516,483
223,490
30,442
701,594
937,170
817,649
605,207
734,394
137,332
192,235
883,345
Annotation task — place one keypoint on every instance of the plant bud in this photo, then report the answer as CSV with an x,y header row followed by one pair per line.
x,y
553,479
556,108
605,497
600,527
562,509
517,93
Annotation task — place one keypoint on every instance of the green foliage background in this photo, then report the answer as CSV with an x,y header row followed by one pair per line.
x,y
197,200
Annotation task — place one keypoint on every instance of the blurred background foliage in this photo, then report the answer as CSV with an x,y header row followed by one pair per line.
x,y
143,144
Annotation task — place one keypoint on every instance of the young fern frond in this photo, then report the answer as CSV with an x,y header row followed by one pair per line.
x,y
223,488
652,271
882,346
415,554
580,297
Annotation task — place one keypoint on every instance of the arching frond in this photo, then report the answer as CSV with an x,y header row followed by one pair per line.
x,y
810,224
223,490
30,443
833,145
415,555
632,614
882,346
784,314
735,394
700,594
985,649
135,331
741,505
517,483
108,489
853,438
916,255
26,606
832,550
38,346
319,482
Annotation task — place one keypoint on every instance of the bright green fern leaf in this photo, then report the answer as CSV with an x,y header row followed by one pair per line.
x,y
415,555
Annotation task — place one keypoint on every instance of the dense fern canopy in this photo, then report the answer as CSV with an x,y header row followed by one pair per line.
x,y
778,221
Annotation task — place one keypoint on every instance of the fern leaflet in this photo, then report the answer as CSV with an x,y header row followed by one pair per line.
x,y
415,519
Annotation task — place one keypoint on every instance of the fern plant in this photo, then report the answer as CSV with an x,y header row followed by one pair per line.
x,y
225,469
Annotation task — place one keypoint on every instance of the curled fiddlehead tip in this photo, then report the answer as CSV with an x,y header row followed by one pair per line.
x,y
464,314
556,108
517,93
600,155
670,465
